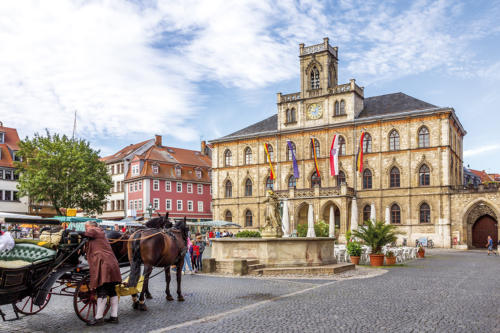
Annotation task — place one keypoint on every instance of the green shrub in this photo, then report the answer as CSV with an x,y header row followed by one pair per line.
x,y
248,234
320,228
354,249
348,236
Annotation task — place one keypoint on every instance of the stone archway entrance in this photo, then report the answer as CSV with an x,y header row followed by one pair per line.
x,y
484,226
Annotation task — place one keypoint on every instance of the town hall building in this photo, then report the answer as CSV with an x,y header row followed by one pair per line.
x,y
412,173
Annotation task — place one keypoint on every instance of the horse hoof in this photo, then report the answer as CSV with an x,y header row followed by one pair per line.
x,y
170,298
143,307
135,305
180,298
149,296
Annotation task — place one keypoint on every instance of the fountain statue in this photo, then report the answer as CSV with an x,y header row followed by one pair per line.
x,y
272,228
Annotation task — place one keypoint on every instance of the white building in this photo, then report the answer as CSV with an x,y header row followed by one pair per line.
x,y
9,198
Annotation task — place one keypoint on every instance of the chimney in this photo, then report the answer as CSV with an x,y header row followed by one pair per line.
x,y
203,146
158,140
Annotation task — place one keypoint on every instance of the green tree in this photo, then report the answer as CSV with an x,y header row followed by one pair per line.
x,y
65,172
320,229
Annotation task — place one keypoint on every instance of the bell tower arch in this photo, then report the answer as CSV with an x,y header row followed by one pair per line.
x,y
318,68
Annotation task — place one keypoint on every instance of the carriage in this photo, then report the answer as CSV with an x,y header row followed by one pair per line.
x,y
33,271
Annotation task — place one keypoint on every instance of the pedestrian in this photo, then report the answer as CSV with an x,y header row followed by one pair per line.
x,y
104,273
217,234
117,227
187,258
196,254
201,246
489,244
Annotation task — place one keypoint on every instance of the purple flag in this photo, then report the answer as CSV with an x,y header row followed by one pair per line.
x,y
295,166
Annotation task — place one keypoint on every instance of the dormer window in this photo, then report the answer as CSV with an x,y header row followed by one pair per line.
x,y
156,169
2,137
314,78
178,171
198,173
135,170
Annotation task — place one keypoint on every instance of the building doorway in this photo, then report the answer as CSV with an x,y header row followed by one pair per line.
x,y
483,227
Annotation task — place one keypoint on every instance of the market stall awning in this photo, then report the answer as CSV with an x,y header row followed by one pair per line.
x,y
214,224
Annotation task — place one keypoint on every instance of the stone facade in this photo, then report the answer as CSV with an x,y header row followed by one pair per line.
x,y
344,111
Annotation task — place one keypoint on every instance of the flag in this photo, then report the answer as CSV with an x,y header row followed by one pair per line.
x,y
313,141
334,156
273,176
359,156
295,166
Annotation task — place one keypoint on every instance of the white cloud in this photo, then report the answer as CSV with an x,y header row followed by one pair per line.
x,y
480,150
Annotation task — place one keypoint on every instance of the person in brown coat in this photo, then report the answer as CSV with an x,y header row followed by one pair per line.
x,y
104,272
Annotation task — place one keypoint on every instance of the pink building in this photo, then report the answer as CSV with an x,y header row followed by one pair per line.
x,y
172,180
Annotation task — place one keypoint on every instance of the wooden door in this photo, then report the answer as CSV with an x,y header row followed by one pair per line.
x,y
485,226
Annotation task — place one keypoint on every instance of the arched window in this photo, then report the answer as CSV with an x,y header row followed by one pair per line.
x,y
395,214
423,137
314,78
248,188
228,158
289,151
269,183
293,117
228,217
367,178
248,155
315,180
342,107
367,210
288,116
394,177
270,149
341,146
424,176
292,182
316,147
341,178
229,189
425,213
367,143
337,108
394,140
248,218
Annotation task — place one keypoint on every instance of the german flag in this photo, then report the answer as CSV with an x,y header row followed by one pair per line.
x,y
272,176
313,142
359,156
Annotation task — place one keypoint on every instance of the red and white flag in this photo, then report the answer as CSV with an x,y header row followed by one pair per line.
x,y
334,156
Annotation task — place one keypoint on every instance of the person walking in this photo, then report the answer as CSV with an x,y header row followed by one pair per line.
x,y
201,246
187,258
489,244
104,273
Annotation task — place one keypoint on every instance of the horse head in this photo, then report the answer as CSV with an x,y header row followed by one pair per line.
x,y
182,226
166,223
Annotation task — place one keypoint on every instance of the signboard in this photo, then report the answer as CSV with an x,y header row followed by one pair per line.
x,y
71,212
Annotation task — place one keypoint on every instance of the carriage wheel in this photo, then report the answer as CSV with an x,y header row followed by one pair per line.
x,y
26,306
85,301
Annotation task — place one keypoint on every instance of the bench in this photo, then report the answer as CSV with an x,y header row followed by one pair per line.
x,y
30,253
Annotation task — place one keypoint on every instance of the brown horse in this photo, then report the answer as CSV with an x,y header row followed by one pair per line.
x,y
155,248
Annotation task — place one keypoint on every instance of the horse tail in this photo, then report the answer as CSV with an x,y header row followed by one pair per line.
x,y
134,256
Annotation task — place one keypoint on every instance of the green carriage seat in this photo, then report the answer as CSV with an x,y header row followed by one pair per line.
x,y
28,252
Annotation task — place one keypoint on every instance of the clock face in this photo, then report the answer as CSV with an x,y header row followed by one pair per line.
x,y
314,111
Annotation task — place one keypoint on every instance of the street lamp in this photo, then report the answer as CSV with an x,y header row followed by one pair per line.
x,y
150,210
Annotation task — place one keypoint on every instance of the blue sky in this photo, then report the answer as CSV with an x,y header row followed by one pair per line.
x,y
202,69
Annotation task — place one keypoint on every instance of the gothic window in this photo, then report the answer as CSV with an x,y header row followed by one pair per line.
x,y
315,180
271,153
287,115
316,147
248,155
367,178
292,182
269,183
293,115
248,188
341,178
395,214
228,217
424,176
228,158
314,78
342,107
367,143
394,177
367,210
423,137
289,151
248,218
341,146
425,213
337,108
229,189
394,140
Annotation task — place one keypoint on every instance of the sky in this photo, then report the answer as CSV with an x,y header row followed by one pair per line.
x,y
197,70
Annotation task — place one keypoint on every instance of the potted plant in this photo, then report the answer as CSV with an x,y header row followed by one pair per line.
x,y
390,258
376,235
421,252
354,251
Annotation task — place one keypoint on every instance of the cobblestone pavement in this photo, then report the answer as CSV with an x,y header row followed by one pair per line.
x,y
449,291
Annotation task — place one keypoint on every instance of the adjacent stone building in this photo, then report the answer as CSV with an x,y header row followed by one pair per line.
x,y
413,161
